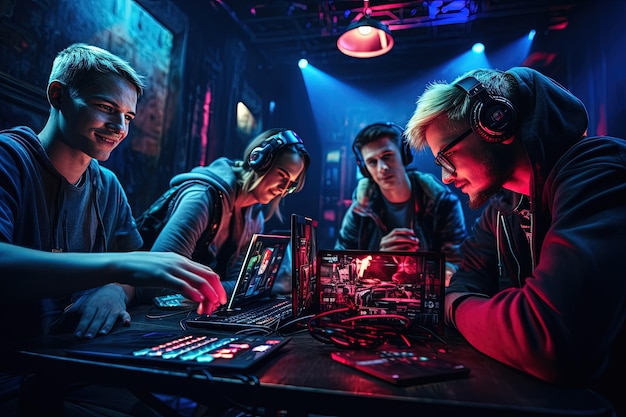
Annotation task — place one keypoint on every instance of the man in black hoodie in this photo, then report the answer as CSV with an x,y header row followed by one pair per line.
x,y
541,285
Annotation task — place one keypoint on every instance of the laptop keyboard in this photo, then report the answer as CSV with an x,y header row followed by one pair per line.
x,y
263,316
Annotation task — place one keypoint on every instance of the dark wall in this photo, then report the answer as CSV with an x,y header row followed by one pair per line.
x,y
586,57
293,110
594,69
32,33
188,115
193,59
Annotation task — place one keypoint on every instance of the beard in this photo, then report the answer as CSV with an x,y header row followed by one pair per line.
x,y
498,161
477,201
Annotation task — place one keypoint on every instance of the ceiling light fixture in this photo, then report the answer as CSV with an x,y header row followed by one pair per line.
x,y
366,37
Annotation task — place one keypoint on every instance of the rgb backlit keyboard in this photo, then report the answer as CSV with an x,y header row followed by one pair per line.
x,y
181,348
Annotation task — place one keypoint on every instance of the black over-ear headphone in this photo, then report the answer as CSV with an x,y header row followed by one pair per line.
x,y
261,157
406,152
491,117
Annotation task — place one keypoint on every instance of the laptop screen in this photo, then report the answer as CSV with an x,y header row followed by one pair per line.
x,y
259,269
304,264
408,284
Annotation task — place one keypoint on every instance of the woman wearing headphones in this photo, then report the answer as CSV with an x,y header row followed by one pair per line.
x,y
216,209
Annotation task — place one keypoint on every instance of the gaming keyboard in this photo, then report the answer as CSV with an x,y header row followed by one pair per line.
x,y
266,316
181,348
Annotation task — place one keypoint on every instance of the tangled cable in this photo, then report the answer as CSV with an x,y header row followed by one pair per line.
x,y
346,328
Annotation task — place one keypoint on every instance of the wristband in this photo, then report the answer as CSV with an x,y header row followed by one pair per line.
x,y
453,300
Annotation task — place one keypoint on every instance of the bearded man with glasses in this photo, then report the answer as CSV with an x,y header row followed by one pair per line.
x,y
541,284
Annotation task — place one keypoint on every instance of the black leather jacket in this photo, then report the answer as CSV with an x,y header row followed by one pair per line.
x,y
438,221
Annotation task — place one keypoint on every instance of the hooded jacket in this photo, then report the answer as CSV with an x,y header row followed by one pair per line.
x,y
438,219
33,206
554,305
208,205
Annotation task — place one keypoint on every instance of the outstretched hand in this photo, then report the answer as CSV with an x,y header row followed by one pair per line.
x,y
400,239
41,274
169,270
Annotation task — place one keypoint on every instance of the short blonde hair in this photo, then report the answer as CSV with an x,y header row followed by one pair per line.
x,y
79,64
441,99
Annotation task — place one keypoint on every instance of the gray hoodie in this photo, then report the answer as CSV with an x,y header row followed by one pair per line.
x,y
208,204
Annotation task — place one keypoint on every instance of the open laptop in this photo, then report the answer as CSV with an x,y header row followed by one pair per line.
x,y
252,302
402,283
261,309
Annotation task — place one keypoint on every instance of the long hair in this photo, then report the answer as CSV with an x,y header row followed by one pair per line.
x,y
251,179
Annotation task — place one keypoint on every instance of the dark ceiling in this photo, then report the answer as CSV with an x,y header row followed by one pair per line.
x,y
284,31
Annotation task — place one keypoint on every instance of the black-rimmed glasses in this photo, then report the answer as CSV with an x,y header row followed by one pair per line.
x,y
442,160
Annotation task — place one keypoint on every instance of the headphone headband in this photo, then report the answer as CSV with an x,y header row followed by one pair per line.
x,y
492,117
261,157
